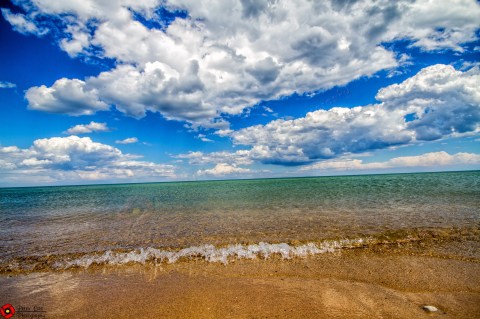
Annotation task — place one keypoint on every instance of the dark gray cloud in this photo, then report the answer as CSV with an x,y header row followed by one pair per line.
x,y
265,71
253,8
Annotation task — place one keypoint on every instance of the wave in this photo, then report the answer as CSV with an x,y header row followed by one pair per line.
x,y
232,252
211,253
208,253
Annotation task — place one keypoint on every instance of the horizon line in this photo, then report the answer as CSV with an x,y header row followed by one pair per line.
x,y
244,179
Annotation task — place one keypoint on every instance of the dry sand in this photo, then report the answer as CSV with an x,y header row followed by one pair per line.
x,y
360,283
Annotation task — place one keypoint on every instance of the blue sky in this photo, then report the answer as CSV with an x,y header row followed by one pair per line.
x,y
159,90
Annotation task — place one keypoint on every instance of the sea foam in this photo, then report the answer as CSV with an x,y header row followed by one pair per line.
x,y
208,253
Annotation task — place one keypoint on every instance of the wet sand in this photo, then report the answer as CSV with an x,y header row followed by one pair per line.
x,y
379,282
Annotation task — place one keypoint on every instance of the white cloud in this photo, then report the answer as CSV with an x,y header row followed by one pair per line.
x,y
240,157
88,128
456,22
442,102
223,169
435,160
79,39
129,140
203,138
65,96
229,55
157,88
74,159
7,85
22,24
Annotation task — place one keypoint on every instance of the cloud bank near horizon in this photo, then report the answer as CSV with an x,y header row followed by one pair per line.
x,y
73,158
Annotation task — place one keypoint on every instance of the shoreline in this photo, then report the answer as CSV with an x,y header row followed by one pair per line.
x,y
416,240
382,282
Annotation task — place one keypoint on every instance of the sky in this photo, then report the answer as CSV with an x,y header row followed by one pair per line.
x,y
120,91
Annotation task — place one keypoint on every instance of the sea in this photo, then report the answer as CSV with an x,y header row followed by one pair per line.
x,y
70,227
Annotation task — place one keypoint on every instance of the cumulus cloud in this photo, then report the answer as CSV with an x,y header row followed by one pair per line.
x,y
434,160
223,169
221,57
130,140
65,96
7,85
22,24
76,39
437,102
68,159
88,128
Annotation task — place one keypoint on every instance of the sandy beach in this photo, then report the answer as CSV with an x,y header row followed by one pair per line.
x,y
378,282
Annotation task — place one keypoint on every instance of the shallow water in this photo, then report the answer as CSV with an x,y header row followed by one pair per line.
x,y
90,221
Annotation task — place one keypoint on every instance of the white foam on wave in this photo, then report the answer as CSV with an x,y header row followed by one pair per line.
x,y
210,253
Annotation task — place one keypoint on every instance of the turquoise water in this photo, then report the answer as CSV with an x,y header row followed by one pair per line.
x,y
45,221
